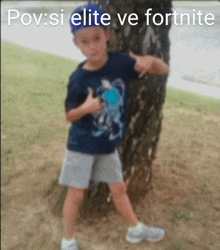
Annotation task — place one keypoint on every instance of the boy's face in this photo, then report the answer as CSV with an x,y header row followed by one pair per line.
x,y
92,42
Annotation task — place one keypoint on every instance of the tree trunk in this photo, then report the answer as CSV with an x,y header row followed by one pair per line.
x,y
146,98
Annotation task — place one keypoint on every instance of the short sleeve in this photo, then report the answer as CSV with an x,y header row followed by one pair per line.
x,y
73,95
129,65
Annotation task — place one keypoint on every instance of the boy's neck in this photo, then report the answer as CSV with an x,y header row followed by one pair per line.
x,y
95,65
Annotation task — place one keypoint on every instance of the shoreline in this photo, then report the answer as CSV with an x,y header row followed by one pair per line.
x,y
192,62
174,81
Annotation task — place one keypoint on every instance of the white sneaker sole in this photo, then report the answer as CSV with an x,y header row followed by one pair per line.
x,y
139,240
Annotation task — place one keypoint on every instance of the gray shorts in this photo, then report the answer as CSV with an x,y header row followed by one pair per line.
x,y
79,169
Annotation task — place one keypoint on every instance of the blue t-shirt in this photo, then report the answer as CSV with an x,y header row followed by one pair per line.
x,y
100,132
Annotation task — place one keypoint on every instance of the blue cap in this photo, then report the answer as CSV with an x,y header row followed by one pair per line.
x,y
87,10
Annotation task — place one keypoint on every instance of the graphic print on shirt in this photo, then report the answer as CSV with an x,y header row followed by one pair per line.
x,y
109,118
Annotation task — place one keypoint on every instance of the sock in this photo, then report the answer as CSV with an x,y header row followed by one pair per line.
x,y
137,228
67,242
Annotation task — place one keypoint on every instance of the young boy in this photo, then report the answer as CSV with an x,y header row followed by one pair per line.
x,y
96,108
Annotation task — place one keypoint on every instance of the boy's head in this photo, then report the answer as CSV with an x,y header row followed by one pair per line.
x,y
86,16
90,35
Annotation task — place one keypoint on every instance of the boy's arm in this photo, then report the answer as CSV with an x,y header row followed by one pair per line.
x,y
149,65
90,105
76,113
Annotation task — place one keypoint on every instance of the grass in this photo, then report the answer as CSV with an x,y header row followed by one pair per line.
x,y
185,196
178,99
34,88
33,98
5,3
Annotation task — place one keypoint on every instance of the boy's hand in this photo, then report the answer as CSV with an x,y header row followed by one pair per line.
x,y
92,104
150,65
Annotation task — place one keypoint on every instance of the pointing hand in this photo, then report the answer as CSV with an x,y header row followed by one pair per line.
x,y
149,64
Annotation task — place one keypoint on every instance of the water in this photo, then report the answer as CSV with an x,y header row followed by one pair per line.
x,y
195,50
195,54
52,39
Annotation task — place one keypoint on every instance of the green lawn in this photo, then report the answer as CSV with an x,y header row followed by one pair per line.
x,y
33,92
183,99
185,195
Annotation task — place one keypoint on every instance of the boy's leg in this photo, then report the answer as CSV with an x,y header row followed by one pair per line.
x,y
108,169
70,208
137,231
122,202
75,173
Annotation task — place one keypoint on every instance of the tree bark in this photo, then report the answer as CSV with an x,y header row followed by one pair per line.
x,y
146,98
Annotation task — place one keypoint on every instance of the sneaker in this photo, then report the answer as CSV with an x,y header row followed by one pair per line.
x,y
145,233
73,246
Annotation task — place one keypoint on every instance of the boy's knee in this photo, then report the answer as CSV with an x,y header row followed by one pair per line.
x,y
118,189
76,194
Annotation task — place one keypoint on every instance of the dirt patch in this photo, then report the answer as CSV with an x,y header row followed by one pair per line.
x,y
213,118
184,199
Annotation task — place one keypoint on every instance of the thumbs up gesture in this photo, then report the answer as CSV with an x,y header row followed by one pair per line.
x,y
149,65
92,104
